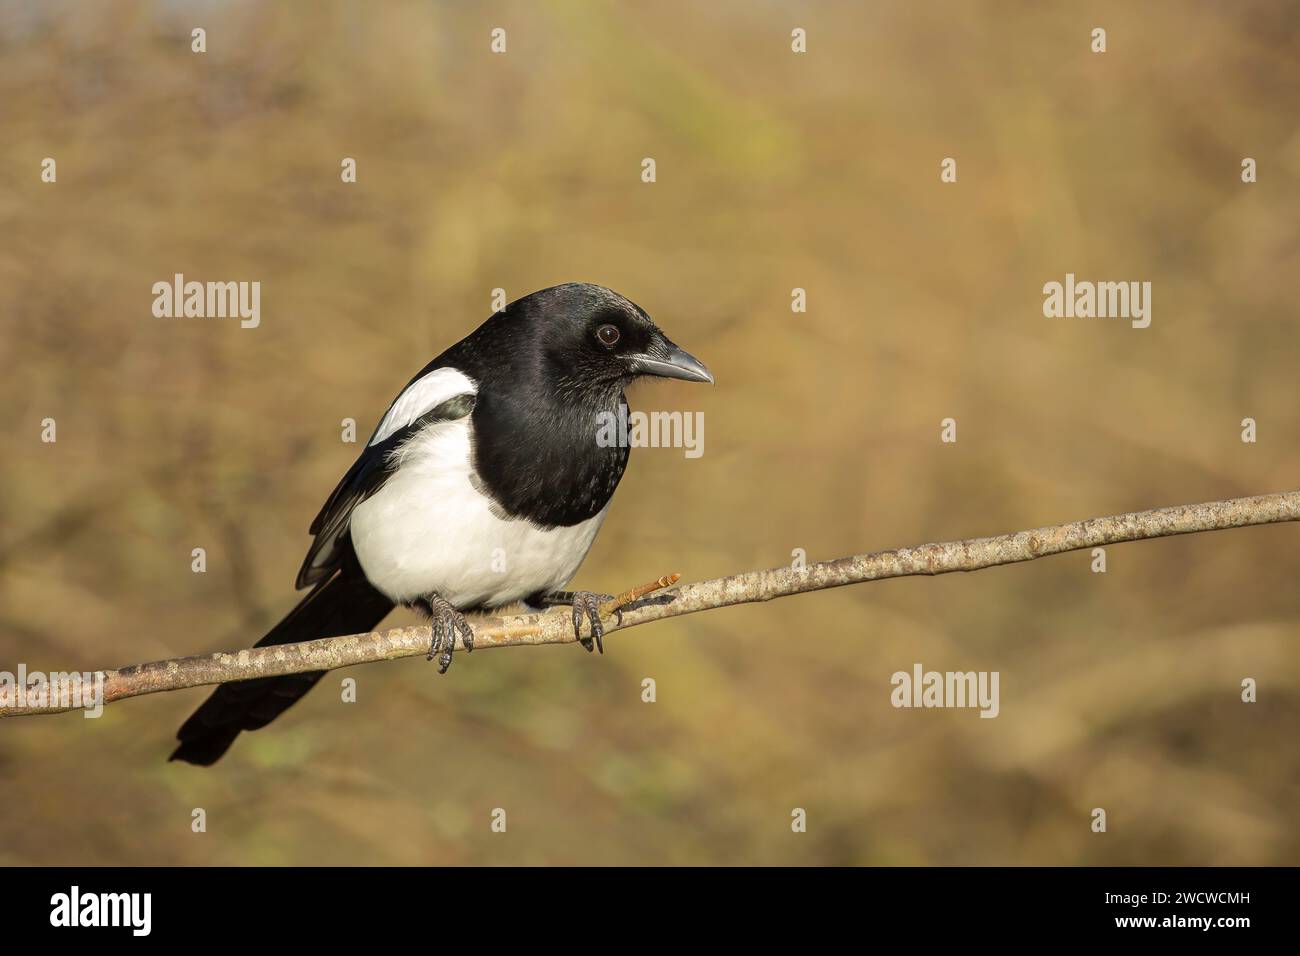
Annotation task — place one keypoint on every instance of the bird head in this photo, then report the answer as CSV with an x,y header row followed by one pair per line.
x,y
594,338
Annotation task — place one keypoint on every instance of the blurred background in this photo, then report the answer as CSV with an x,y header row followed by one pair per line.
x,y
774,171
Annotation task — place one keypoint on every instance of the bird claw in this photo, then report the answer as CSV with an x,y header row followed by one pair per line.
x,y
447,623
587,604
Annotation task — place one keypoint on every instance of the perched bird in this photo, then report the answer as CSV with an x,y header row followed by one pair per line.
x,y
489,453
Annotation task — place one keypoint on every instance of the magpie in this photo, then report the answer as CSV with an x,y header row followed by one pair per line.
x,y
483,485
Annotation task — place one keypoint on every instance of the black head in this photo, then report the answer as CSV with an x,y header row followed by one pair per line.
x,y
592,339
547,366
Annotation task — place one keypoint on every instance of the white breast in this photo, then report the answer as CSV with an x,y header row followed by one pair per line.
x,y
428,530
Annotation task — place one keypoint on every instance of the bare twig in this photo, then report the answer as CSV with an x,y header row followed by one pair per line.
x,y
555,627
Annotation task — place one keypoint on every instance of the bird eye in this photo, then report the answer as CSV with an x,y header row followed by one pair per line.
x,y
607,334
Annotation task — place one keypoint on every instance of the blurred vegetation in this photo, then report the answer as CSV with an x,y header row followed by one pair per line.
x,y
774,171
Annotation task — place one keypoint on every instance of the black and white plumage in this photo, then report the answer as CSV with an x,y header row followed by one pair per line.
x,y
482,485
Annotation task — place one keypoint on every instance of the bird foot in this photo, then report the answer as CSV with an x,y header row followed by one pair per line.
x,y
587,604
447,623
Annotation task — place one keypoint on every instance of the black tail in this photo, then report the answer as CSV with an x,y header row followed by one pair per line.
x,y
345,604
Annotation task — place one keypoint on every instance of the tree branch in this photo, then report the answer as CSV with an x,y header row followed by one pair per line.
x,y
556,627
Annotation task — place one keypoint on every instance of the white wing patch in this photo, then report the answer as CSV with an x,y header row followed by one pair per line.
x,y
422,396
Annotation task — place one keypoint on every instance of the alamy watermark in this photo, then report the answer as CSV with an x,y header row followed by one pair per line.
x,y
922,688
68,690
209,300
1102,300
133,911
624,429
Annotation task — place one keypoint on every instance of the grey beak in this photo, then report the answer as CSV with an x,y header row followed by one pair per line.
x,y
671,363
